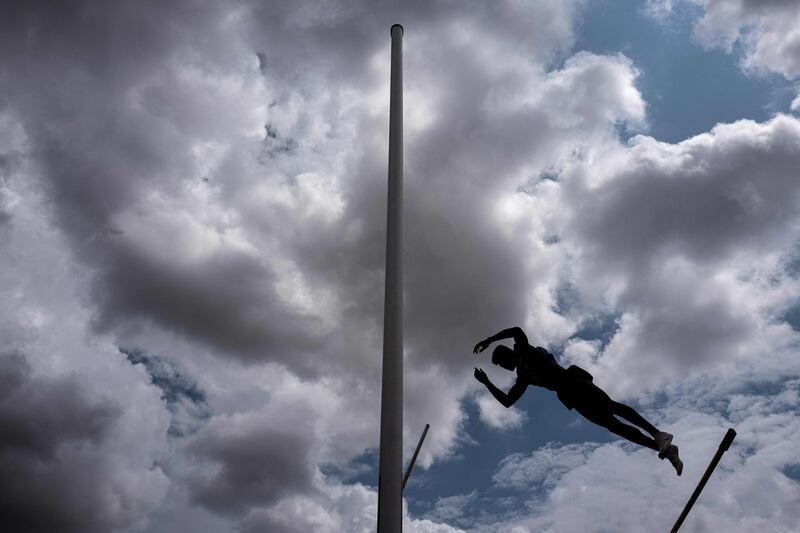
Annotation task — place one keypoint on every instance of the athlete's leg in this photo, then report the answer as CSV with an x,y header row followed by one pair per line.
x,y
603,416
663,440
629,413
595,405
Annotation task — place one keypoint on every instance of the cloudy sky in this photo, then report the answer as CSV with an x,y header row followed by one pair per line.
x,y
192,217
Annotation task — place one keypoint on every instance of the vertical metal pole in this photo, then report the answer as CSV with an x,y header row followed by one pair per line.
x,y
723,447
390,516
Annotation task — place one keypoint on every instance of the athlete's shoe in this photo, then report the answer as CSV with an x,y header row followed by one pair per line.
x,y
671,453
663,441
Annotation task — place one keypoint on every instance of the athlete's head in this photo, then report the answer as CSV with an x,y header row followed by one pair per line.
x,y
505,357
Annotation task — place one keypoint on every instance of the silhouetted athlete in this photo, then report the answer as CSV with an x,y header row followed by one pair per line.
x,y
574,387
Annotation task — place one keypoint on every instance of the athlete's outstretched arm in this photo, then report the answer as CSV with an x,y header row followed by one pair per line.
x,y
516,333
507,399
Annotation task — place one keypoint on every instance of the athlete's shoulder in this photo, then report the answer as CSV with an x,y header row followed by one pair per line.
x,y
535,351
542,352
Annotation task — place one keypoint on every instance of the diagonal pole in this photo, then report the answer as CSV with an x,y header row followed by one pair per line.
x,y
390,469
414,457
723,447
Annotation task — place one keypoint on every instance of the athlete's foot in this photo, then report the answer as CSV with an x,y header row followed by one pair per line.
x,y
671,453
663,441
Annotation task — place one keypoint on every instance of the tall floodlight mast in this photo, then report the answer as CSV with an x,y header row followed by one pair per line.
x,y
390,474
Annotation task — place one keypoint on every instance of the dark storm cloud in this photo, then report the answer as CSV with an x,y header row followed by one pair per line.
x,y
102,152
258,464
96,150
37,417
49,430
226,299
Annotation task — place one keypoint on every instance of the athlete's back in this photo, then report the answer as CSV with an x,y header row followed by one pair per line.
x,y
538,367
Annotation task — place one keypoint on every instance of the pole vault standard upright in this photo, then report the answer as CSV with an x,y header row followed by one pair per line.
x,y
390,474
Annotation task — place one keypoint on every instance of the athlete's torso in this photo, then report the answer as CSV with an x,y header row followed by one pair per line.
x,y
538,367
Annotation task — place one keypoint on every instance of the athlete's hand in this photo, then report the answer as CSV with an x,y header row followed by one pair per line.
x,y
481,346
481,376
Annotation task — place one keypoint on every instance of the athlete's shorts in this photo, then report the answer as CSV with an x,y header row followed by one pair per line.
x,y
578,388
